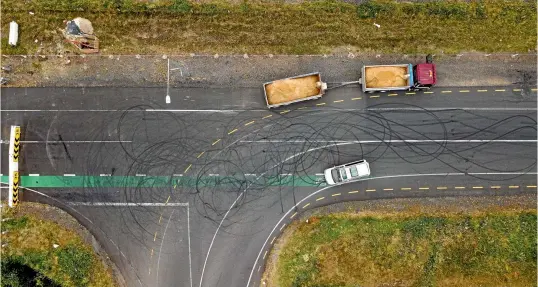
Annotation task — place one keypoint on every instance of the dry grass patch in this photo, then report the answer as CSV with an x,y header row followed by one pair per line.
x,y
261,27
31,257
482,249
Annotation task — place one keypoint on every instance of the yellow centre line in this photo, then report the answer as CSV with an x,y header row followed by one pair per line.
x,y
215,142
516,90
151,252
459,187
441,187
531,186
513,186
336,194
306,205
354,99
167,200
445,92
302,108
405,188
320,104
339,101
202,153
155,236
232,131
500,90
392,95
410,93
355,191
464,91
320,198
534,89
388,189
267,116
428,92
478,187
284,112
423,188
188,167
495,186
481,91
371,97
293,215
369,190
249,123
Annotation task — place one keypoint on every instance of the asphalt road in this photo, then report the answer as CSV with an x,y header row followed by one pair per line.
x,y
263,163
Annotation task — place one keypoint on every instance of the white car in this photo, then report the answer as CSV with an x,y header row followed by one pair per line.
x,y
347,172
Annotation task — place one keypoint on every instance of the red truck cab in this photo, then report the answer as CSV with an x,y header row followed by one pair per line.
x,y
425,74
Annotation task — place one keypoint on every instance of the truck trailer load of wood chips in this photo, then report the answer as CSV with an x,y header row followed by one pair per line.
x,y
294,89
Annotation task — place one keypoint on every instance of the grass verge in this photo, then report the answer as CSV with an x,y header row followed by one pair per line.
x,y
487,249
30,257
261,27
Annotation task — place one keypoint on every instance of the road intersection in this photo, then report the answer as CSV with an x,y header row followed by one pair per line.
x,y
196,192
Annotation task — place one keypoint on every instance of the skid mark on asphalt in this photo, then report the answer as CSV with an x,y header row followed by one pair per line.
x,y
339,102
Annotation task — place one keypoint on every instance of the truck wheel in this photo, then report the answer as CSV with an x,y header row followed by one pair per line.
x,y
429,58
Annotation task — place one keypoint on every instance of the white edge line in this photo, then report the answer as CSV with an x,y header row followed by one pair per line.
x,y
105,204
389,141
189,238
33,174
69,174
161,248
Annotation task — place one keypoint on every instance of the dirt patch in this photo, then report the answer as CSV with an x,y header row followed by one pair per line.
x,y
471,69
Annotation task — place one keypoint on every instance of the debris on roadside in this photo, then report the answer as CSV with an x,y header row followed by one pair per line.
x,y
7,68
79,32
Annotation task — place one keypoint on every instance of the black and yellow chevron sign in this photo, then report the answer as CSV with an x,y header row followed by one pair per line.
x,y
15,188
17,144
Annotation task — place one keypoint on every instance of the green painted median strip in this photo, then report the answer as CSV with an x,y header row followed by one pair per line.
x,y
51,181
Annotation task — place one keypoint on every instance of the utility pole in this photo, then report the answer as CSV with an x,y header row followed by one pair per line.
x,y
168,83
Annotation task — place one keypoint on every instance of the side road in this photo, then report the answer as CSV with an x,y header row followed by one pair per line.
x,y
469,69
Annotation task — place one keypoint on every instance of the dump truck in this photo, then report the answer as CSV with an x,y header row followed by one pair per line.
x,y
293,90
383,78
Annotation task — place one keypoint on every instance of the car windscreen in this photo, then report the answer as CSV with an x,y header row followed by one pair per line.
x,y
334,174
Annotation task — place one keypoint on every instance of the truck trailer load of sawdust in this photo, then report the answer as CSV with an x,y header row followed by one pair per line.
x,y
293,89
387,76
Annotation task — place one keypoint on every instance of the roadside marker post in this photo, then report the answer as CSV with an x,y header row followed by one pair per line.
x,y
14,155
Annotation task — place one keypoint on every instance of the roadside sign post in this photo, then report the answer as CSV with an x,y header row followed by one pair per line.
x,y
167,99
14,155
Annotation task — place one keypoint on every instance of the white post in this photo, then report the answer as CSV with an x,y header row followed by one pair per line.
x,y
14,178
168,83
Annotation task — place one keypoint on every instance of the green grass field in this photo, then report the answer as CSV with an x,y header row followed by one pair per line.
x,y
30,258
497,249
261,27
